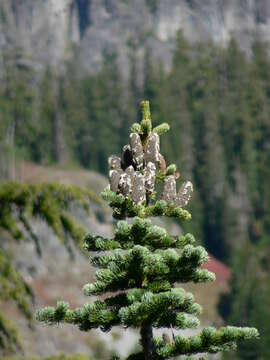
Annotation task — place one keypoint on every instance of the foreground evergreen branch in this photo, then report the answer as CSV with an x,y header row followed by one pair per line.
x,y
19,204
12,288
143,263
9,337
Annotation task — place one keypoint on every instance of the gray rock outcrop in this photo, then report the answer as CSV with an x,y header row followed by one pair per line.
x,y
50,31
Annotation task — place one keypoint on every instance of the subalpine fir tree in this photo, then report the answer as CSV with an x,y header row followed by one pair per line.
x,y
140,266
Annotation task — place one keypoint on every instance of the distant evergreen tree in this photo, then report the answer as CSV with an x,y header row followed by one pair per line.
x,y
248,303
16,109
45,136
93,109
259,107
175,105
109,110
133,89
209,170
142,263
150,89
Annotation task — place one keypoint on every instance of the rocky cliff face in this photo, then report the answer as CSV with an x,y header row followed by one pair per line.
x,y
50,31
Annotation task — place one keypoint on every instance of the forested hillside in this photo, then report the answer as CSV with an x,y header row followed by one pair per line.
x,y
217,101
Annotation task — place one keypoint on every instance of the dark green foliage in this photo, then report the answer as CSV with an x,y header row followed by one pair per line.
x,y
124,207
139,267
140,232
28,110
95,111
249,300
210,341
143,266
129,309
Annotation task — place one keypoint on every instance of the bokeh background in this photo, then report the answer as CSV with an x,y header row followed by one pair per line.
x,y
72,75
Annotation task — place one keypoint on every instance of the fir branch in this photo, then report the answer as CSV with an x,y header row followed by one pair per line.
x,y
48,201
13,287
90,316
209,340
161,310
136,128
171,169
161,129
140,267
124,207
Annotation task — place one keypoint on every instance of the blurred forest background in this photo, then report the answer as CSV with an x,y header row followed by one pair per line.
x,y
214,93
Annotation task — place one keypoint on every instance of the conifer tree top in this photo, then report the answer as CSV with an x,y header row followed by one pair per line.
x,y
134,177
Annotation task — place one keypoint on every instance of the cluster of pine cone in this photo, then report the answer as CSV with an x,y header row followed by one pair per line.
x,y
134,175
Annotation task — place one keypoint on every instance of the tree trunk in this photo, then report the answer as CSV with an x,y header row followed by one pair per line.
x,y
147,341
59,144
58,138
11,150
